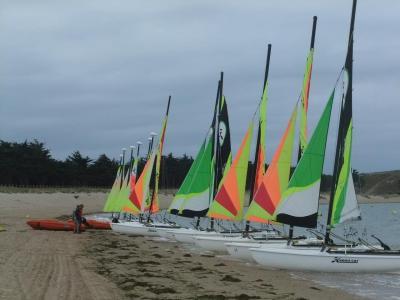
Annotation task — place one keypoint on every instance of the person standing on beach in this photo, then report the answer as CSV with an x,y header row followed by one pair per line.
x,y
77,217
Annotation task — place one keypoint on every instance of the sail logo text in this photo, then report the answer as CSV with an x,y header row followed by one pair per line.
x,y
341,260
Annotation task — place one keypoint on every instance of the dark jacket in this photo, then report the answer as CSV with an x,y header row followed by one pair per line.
x,y
77,215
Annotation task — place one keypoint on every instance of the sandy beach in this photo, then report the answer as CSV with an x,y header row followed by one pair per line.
x,y
106,265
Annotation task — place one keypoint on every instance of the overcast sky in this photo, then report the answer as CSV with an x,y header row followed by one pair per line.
x,y
95,76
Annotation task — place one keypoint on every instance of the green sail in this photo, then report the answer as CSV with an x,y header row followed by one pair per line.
x,y
229,200
299,206
192,198
122,199
345,206
113,192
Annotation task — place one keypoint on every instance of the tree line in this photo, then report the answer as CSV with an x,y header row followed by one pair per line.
x,y
30,164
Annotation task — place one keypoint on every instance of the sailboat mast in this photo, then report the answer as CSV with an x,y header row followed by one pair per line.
x,y
256,154
213,127
217,145
344,121
150,139
123,167
120,161
131,161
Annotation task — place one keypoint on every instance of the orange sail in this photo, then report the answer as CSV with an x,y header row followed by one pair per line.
x,y
275,180
153,205
141,190
228,202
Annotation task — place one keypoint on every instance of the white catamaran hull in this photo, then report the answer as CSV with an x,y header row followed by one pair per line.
x,y
136,228
217,243
168,232
163,232
188,236
241,249
323,261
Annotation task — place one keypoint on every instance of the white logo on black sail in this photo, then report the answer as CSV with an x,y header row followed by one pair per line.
x,y
221,133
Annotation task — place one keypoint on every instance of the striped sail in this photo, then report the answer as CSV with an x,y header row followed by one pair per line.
x,y
153,206
141,191
229,200
133,177
304,101
122,197
192,198
260,149
128,206
305,92
196,192
299,205
275,180
344,205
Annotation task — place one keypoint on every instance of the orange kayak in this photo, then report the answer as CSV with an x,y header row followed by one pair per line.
x,y
52,225
95,224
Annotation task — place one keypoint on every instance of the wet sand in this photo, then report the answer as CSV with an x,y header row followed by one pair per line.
x,y
106,265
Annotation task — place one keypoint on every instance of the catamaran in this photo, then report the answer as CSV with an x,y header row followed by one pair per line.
x,y
273,183
228,203
300,200
201,182
143,199
268,186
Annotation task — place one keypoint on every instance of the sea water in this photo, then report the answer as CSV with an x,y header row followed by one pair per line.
x,y
383,221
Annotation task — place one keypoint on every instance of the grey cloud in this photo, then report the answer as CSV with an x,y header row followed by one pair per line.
x,y
95,75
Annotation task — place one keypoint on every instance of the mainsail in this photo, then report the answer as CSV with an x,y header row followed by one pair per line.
x,y
115,189
122,202
223,155
299,205
140,197
229,200
305,92
153,205
134,168
141,191
275,180
197,190
123,195
127,205
343,205
115,203
259,161
192,198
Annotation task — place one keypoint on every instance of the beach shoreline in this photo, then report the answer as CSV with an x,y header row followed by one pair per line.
x,y
105,265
